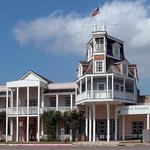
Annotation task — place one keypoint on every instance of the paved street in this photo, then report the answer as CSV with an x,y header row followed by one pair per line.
x,y
72,147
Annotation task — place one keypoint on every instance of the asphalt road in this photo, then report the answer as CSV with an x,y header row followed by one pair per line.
x,y
72,147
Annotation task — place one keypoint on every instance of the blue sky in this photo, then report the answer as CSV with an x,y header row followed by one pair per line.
x,y
22,50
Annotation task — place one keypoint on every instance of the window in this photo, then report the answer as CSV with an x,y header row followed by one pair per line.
x,y
116,50
117,87
33,102
99,66
100,86
137,127
99,44
99,40
67,101
52,102
101,127
121,88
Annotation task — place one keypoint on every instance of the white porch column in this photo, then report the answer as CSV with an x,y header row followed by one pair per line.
x,y
11,126
124,88
107,86
42,103
38,134
28,97
147,121
17,100
17,119
116,124
86,122
11,103
57,102
86,86
93,122
90,123
108,121
91,87
112,86
42,132
17,122
6,128
38,122
6,115
27,129
123,127
71,102
81,86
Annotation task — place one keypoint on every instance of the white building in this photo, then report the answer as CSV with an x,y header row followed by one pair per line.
x,y
106,89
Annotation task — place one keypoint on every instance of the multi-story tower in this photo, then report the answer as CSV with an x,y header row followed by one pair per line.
x,y
105,79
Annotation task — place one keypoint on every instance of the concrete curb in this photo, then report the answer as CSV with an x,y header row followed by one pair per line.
x,y
37,145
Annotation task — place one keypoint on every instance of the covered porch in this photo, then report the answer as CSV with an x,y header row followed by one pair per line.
x,y
101,121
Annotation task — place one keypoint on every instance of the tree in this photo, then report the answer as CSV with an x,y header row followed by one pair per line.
x,y
73,119
50,122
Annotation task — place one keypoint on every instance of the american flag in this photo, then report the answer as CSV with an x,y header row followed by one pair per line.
x,y
95,12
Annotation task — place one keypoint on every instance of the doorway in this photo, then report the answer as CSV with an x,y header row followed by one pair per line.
x,y
101,129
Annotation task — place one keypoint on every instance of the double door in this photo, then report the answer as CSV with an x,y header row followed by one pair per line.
x,y
101,129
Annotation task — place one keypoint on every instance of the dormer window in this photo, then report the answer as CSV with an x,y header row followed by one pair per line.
x,y
116,50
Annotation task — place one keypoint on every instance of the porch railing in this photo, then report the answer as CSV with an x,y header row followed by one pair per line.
x,y
121,95
22,111
95,94
60,108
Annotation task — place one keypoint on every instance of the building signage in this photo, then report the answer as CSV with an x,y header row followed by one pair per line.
x,y
134,109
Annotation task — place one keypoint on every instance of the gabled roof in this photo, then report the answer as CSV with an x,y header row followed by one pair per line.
x,y
84,63
36,75
56,86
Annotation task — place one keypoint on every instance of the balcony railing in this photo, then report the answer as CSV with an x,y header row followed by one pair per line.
x,y
34,110
104,94
60,108
95,94
121,95
23,111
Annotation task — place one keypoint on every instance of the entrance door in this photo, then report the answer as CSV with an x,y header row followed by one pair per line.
x,y
101,129
32,129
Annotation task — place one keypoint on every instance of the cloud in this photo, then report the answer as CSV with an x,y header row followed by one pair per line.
x,y
59,33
